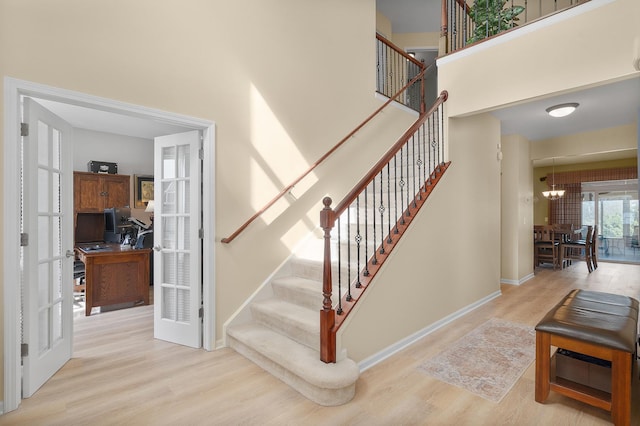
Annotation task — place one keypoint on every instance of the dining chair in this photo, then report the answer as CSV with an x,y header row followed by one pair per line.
x,y
579,250
594,247
545,246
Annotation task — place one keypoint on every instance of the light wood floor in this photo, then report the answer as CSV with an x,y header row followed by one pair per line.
x,y
120,375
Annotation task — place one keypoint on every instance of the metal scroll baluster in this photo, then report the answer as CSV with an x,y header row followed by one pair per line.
x,y
349,251
339,310
431,137
440,118
389,239
401,183
416,172
395,190
366,235
358,241
373,191
419,163
381,209
408,213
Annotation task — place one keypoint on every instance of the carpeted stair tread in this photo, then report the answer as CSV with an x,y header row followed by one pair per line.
x,y
303,291
296,322
294,357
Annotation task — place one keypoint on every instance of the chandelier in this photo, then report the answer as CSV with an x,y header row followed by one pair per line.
x,y
554,194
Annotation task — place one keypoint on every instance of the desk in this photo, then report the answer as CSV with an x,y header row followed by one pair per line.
x,y
114,274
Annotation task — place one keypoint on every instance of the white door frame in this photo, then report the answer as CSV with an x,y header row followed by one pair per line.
x,y
13,89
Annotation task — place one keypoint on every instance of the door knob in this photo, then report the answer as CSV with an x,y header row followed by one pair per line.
x,y
70,253
157,248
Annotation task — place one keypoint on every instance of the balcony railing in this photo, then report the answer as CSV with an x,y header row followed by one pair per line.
x,y
464,23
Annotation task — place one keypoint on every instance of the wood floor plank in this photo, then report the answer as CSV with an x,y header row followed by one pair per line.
x,y
119,374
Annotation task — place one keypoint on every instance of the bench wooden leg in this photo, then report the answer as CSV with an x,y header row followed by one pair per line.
x,y
621,388
543,362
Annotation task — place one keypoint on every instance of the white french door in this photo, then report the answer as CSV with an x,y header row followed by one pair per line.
x,y
177,243
47,257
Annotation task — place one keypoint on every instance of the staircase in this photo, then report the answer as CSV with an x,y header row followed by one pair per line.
x,y
283,334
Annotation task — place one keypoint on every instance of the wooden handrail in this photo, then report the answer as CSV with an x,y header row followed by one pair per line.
x,y
351,196
288,188
399,50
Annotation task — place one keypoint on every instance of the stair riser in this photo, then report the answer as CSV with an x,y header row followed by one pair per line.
x,y
321,396
289,327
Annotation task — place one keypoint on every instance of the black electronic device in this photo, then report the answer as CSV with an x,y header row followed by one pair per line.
x,y
116,224
103,167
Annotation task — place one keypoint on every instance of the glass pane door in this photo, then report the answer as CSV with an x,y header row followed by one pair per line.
x,y
613,206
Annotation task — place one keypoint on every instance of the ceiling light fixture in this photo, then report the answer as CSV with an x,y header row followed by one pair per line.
x,y
554,194
562,110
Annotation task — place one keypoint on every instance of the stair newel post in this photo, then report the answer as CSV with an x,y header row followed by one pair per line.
x,y
327,314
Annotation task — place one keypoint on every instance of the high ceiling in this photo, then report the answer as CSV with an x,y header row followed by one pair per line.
x,y
412,16
600,107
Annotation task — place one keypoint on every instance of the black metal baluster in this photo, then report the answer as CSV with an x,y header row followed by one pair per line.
x,y
381,209
366,234
408,213
419,162
440,111
373,191
395,190
429,145
416,174
358,241
349,250
389,239
402,183
339,310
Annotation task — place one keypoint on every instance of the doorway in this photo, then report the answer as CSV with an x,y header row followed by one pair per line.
x,y
15,90
613,207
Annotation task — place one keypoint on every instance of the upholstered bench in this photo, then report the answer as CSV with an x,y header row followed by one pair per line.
x,y
600,325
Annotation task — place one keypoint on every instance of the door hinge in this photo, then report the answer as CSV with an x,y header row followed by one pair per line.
x,y
201,153
24,129
201,312
24,239
24,350
201,233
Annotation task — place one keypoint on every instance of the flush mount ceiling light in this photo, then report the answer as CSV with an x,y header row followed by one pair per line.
x,y
562,110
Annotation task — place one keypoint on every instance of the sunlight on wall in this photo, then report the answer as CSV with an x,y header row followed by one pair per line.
x,y
277,160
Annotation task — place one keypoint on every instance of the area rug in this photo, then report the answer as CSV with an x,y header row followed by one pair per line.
x,y
488,361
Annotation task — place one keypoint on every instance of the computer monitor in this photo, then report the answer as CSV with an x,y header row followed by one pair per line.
x,y
116,223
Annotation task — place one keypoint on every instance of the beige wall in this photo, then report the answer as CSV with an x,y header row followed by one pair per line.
x,y
383,26
281,83
618,141
416,40
450,258
516,210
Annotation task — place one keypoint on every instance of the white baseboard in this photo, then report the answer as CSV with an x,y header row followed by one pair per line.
x,y
393,349
517,282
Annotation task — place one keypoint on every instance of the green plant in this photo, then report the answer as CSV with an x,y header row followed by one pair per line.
x,y
491,17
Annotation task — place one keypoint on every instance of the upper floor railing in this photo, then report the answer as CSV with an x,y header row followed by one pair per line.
x,y
400,78
464,23
394,68
363,228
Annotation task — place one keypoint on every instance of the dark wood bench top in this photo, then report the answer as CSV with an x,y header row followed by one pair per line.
x,y
604,319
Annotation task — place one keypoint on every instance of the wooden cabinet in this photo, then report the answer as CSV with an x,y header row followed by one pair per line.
x,y
94,192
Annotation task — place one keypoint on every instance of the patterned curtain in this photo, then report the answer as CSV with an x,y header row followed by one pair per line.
x,y
568,209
